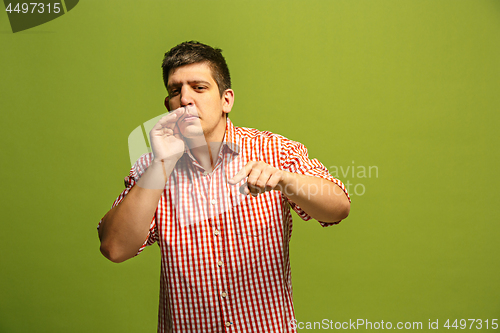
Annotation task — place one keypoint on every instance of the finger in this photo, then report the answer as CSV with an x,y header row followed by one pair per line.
x,y
165,121
257,180
242,173
166,131
273,180
170,119
173,114
244,189
176,129
263,179
254,190
180,111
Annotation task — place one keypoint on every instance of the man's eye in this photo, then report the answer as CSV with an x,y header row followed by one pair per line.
x,y
200,88
174,92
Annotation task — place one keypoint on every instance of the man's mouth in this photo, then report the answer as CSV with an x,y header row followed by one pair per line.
x,y
190,114
189,117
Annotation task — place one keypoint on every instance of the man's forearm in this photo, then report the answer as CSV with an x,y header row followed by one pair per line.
x,y
318,197
124,228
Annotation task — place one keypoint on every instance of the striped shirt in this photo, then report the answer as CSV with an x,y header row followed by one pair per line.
x,y
224,255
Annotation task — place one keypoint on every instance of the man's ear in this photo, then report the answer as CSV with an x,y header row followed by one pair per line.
x,y
227,100
166,103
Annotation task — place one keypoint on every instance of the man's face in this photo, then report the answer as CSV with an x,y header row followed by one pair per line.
x,y
193,86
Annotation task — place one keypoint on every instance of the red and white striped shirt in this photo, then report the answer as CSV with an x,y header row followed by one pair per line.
x,y
224,255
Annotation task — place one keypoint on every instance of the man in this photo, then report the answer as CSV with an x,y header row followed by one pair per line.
x,y
216,198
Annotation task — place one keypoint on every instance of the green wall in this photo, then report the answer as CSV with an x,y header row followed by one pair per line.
x,y
409,88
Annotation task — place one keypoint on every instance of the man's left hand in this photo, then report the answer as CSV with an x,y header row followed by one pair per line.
x,y
262,177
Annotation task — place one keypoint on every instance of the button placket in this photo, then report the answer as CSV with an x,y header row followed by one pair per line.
x,y
211,197
218,241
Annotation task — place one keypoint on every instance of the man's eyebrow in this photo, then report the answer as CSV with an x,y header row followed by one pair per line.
x,y
199,81
173,85
178,84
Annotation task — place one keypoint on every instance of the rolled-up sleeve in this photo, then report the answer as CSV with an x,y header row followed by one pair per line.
x,y
295,158
130,181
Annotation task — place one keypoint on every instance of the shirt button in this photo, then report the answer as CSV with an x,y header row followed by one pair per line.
x,y
228,323
224,294
205,173
216,232
213,201
220,263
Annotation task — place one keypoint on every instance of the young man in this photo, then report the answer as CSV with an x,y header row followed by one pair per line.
x,y
216,198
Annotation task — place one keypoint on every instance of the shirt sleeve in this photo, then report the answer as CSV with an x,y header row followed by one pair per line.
x,y
295,158
135,173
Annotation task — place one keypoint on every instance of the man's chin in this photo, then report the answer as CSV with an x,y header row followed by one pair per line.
x,y
192,132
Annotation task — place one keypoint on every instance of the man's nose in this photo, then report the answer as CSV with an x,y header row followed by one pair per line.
x,y
186,96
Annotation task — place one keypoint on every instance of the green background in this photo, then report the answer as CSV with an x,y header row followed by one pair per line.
x,y
410,87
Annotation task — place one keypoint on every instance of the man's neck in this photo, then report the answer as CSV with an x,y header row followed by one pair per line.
x,y
206,149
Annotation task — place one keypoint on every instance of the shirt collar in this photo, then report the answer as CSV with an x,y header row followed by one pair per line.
x,y
230,143
232,140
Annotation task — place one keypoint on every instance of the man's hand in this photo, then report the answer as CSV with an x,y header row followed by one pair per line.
x,y
262,177
166,139
323,200
124,227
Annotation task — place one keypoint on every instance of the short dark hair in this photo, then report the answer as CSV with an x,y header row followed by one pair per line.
x,y
193,52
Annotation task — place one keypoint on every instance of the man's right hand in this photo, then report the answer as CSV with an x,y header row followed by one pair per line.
x,y
166,140
125,227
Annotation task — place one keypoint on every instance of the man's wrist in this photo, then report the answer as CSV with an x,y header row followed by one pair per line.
x,y
164,161
286,182
157,174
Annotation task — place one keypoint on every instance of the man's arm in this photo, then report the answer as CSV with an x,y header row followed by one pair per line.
x,y
318,197
125,227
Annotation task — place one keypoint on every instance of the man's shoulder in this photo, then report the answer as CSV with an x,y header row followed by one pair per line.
x,y
251,137
143,162
249,133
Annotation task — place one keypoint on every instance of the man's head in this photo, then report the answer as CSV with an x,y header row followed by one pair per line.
x,y
197,79
192,52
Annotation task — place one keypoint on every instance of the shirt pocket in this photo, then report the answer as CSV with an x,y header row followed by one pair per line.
x,y
254,235
254,216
